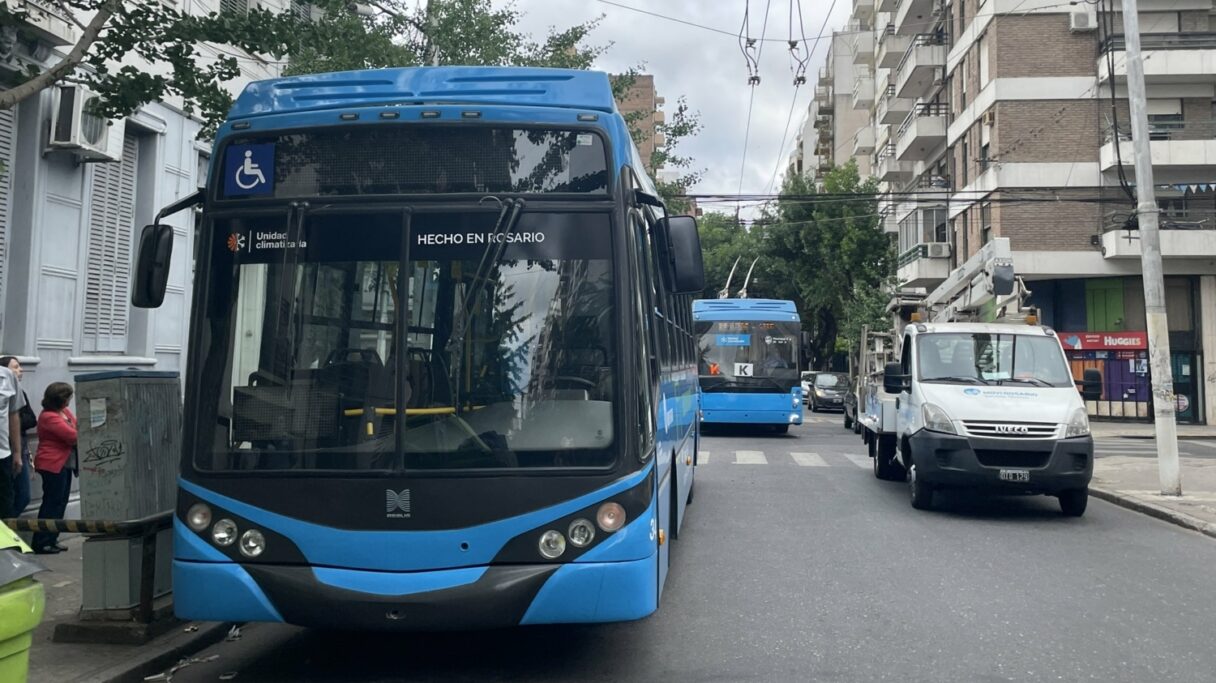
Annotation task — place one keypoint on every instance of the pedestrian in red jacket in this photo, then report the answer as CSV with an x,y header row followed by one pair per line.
x,y
54,461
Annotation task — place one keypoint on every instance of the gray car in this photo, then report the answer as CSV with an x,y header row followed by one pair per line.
x,y
825,390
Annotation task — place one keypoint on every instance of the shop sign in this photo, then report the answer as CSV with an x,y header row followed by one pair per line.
x,y
1104,341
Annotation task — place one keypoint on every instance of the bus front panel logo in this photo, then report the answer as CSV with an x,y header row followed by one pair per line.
x,y
397,505
249,170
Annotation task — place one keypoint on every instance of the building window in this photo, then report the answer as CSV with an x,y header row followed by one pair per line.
x,y
964,163
108,249
986,223
234,6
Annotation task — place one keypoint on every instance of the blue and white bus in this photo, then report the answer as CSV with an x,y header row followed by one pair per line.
x,y
442,371
748,365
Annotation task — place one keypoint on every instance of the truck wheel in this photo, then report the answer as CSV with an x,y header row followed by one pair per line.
x,y
1073,502
848,421
921,491
856,426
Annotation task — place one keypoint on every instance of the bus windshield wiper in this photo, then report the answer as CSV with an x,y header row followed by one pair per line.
x,y
508,217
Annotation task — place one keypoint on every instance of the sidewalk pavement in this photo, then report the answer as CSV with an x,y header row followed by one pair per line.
x,y
52,662
1134,482
1145,430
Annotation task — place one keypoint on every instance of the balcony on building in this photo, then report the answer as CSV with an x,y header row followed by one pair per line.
x,y
924,265
863,42
1187,222
1169,58
886,5
863,141
892,109
46,21
922,131
912,16
1176,144
891,47
823,94
888,168
921,69
863,9
863,90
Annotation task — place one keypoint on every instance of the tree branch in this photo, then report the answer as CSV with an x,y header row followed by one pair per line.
x,y
11,97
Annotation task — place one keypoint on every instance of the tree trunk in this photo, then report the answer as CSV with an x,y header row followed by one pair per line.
x,y
11,97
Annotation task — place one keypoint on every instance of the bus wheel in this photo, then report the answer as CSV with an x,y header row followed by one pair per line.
x,y
781,429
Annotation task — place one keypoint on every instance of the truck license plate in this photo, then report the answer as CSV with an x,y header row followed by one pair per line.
x,y
1015,475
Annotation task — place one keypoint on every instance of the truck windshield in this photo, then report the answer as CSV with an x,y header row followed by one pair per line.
x,y
748,356
992,359
507,363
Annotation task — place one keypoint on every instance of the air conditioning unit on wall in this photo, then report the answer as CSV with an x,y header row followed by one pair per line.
x,y
75,128
937,250
988,118
1082,22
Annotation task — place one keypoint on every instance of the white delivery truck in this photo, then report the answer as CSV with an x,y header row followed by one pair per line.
x,y
987,405
875,420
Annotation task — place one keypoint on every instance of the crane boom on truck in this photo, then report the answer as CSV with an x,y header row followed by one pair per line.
x,y
983,396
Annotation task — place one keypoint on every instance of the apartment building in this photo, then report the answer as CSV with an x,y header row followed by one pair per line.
x,y
836,127
1010,118
72,201
641,105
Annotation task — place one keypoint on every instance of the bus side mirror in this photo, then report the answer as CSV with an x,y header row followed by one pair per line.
x,y
893,379
680,254
1091,384
152,266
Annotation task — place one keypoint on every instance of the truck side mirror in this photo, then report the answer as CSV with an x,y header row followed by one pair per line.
x,y
679,247
152,266
893,379
1091,384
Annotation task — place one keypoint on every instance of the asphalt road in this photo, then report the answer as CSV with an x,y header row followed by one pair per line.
x,y
796,564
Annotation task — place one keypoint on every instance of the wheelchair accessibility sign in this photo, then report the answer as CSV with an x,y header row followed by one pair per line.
x,y
249,170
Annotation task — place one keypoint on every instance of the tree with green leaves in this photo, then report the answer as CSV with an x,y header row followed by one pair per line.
x,y
724,241
330,35
829,254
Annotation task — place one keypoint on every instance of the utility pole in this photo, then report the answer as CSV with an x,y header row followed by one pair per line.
x,y
1150,262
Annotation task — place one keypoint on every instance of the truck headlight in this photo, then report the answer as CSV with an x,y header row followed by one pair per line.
x,y
1078,424
937,420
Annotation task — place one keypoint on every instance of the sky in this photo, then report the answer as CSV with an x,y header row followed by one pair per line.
x,y
708,69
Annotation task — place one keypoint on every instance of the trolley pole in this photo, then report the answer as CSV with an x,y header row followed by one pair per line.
x,y
1150,260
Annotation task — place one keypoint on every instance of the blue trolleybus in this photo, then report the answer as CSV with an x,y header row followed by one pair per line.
x,y
748,366
442,371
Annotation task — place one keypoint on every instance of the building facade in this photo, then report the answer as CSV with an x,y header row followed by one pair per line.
x,y
1009,118
69,216
641,105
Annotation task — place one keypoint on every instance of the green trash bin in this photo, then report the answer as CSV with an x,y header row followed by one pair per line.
x,y
21,605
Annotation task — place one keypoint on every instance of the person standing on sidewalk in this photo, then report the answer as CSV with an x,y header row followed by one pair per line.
x,y
21,474
10,436
54,461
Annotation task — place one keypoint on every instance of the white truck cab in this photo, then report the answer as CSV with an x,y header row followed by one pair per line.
x,y
989,406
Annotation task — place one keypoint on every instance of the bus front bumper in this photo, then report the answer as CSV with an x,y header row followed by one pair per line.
x,y
450,599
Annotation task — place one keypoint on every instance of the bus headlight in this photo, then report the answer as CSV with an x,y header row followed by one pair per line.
x,y
1078,425
552,544
224,532
198,517
253,543
796,400
610,517
581,533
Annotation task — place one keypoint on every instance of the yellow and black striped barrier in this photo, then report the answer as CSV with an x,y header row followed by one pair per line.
x,y
94,527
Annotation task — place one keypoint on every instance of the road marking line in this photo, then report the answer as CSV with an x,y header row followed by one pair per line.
x,y
702,457
750,458
809,459
862,461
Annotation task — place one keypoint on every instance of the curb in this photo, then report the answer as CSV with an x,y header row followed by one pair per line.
x,y
1152,510
160,656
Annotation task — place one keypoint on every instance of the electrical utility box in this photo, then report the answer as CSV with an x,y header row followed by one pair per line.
x,y
130,439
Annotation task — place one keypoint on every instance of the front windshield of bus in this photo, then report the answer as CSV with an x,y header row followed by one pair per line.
x,y
508,363
992,359
748,356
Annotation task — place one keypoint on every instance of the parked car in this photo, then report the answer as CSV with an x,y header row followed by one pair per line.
x,y
826,390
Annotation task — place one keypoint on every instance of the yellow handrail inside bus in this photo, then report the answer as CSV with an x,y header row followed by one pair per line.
x,y
444,410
